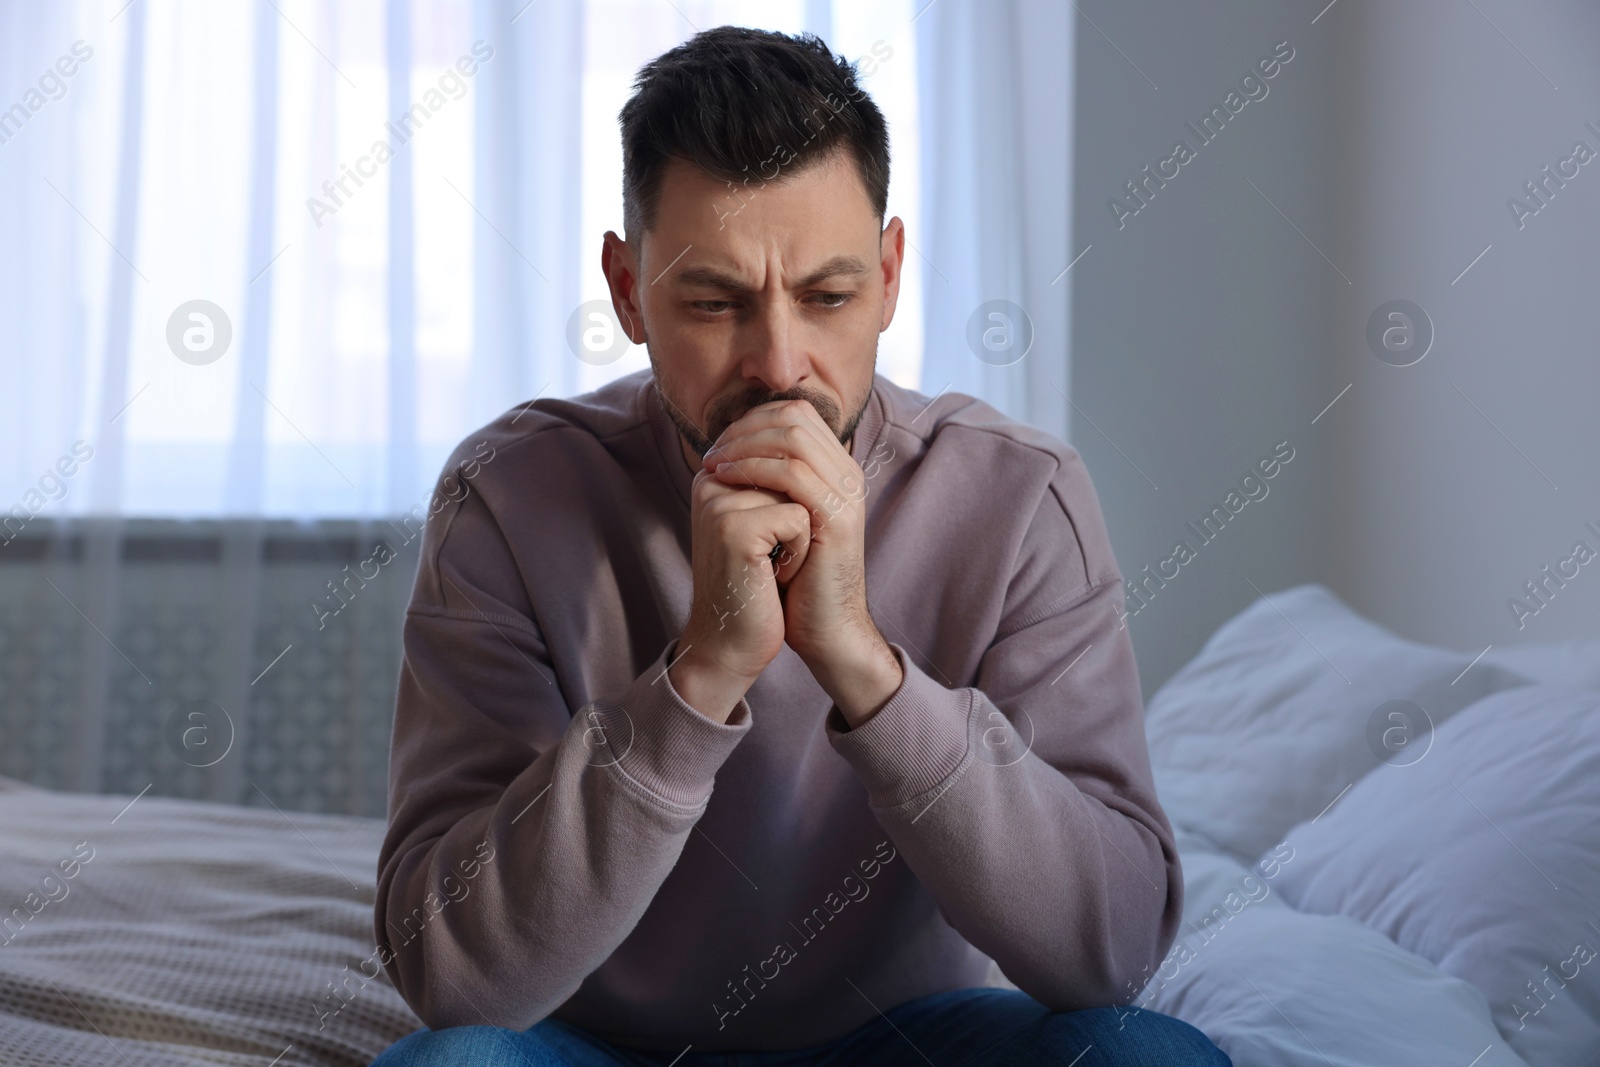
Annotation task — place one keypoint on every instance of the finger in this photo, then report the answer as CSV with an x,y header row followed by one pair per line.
x,y
758,542
791,477
711,488
789,558
775,414
788,525
832,464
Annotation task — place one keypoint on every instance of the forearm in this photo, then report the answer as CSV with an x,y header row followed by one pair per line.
x,y
1043,842
1073,899
509,944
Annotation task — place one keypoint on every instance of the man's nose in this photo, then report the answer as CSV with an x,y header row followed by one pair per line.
x,y
776,351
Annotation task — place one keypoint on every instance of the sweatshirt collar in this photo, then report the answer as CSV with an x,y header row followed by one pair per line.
x,y
864,440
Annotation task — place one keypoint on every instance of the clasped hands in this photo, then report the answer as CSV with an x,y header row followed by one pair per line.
x,y
786,448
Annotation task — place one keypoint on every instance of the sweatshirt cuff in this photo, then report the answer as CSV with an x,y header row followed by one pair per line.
x,y
657,739
915,741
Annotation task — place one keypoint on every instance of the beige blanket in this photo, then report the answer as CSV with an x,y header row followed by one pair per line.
x,y
177,932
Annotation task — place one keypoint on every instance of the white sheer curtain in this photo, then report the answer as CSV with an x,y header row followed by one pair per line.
x,y
263,263
379,306
995,88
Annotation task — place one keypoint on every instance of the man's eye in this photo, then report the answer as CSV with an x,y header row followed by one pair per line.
x,y
712,306
833,300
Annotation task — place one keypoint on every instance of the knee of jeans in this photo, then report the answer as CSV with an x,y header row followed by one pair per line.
x,y
1140,1028
486,1045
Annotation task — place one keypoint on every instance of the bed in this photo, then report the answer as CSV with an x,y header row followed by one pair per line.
x,y
168,931
1391,851
1390,855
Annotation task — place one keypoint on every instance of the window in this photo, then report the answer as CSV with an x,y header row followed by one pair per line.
x,y
230,153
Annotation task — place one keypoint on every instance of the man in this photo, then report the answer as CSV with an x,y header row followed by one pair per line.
x,y
885,628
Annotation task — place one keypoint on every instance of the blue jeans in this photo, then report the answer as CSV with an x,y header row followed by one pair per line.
x,y
961,1028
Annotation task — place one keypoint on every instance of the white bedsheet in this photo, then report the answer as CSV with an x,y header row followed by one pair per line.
x,y
1373,833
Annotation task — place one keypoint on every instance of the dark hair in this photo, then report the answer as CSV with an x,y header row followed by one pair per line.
x,y
735,102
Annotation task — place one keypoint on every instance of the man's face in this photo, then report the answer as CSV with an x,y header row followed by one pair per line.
x,y
748,294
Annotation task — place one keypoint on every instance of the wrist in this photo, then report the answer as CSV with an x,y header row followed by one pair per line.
x,y
706,686
862,681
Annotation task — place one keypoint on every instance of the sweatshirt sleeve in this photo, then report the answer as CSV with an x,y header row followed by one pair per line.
x,y
526,836
1026,803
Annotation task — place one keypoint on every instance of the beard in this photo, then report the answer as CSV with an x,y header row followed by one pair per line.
x,y
729,409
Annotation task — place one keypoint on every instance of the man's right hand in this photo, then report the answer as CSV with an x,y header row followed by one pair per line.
x,y
735,623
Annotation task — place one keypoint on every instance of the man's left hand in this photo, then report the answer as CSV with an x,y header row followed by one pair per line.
x,y
786,446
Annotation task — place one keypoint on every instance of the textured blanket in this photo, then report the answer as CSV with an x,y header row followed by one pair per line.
x,y
176,932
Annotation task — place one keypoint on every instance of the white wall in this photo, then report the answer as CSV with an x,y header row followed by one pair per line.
x,y
1202,328
1444,512
1209,328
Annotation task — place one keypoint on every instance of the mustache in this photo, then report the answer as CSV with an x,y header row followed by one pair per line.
x,y
737,408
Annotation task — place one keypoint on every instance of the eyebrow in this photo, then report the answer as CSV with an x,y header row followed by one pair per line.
x,y
710,277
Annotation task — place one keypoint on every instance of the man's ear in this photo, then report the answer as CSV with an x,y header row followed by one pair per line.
x,y
893,259
620,261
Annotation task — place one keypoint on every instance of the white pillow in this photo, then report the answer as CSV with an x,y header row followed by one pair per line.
x,y
1275,988
1285,706
1459,857
1575,662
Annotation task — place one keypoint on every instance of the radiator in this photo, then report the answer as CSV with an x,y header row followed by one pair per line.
x,y
247,662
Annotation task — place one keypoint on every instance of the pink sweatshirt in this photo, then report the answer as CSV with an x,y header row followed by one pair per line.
x,y
567,837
